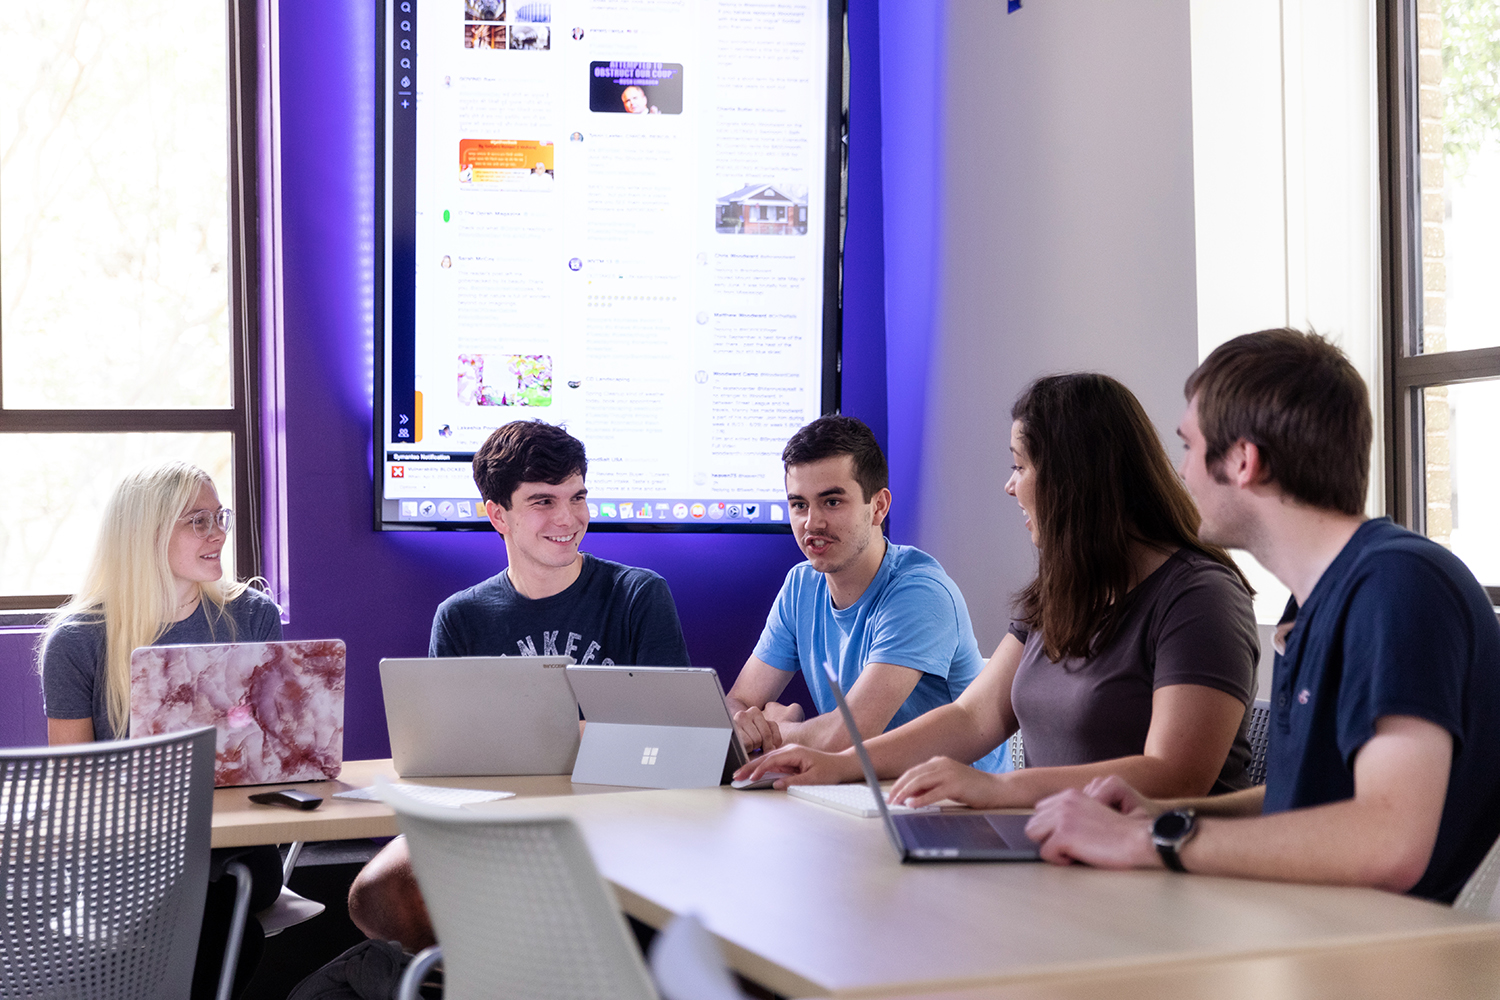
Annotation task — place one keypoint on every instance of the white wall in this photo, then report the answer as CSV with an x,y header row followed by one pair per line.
x,y
1284,177
1068,244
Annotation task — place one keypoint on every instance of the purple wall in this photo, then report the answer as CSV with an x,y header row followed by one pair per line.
x,y
910,88
21,720
378,591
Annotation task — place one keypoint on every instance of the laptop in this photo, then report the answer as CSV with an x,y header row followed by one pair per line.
x,y
654,727
941,836
479,715
278,706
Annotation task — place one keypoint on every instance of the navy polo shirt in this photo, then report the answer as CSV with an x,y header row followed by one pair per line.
x,y
1396,625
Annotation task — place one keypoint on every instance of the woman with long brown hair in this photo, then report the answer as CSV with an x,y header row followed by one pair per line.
x,y
1132,651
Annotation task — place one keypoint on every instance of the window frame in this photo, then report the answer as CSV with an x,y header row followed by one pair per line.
x,y
1406,371
241,418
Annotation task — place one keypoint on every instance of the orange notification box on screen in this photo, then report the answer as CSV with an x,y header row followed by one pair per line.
x,y
485,157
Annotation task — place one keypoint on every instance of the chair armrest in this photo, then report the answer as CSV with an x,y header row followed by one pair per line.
x,y
416,971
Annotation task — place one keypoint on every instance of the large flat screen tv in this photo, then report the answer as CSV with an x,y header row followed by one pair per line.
x,y
619,216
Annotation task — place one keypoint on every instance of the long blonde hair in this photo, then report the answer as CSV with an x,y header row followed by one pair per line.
x,y
129,583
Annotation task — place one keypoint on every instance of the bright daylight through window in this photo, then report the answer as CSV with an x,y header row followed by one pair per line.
x,y
116,328
1458,140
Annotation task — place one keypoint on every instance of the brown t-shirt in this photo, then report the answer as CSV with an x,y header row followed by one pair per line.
x,y
1190,622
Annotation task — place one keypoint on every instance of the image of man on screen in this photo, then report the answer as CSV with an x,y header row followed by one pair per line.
x,y
635,88
635,102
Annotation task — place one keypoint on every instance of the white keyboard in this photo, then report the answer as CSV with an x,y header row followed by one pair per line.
x,y
857,800
431,795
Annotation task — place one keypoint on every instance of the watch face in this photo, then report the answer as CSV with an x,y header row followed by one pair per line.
x,y
1172,825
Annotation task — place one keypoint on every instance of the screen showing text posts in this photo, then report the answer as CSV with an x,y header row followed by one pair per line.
x,y
618,216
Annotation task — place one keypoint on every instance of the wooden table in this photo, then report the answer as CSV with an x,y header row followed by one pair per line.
x,y
1461,964
238,822
812,902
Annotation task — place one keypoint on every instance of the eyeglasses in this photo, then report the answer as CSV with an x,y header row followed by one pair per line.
x,y
204,521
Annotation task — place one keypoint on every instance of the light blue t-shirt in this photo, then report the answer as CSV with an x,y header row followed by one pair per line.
x,y
911,615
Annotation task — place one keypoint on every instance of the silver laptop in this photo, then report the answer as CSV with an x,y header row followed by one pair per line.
x,y
654,727
941,836
480,715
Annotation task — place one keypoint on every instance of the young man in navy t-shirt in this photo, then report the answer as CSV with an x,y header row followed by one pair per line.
x,y
550,599
1385,723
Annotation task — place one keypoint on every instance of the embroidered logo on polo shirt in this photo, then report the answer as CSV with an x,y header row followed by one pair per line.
x,y
1303,696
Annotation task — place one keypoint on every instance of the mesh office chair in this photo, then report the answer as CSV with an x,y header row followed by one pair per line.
x,y
518,905
1017,752
1479,895
105,852
1259,735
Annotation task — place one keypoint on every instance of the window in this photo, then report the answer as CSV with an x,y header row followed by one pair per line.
x,y
127,269
1440,121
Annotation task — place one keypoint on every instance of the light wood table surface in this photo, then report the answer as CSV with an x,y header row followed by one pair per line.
x,y
813,902
1462,964
238,822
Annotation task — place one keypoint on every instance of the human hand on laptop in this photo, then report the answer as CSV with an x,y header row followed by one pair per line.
x,y
943,778
803,766
1107,825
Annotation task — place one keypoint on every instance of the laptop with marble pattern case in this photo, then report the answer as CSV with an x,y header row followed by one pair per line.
x,y
278,706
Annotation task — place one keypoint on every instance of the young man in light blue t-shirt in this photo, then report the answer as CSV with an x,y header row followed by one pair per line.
x,y
886,617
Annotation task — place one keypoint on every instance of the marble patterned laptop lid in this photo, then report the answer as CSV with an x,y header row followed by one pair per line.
x,y
278,706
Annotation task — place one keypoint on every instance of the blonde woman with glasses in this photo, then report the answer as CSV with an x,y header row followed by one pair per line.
x,y
155,579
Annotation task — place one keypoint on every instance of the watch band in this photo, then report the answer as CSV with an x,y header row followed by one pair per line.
x,y
1170,858
1169,832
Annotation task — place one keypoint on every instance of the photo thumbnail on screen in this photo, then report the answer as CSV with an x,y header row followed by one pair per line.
x,y
484,36
530,37
636,88
484,10
505,379
502,163
775,209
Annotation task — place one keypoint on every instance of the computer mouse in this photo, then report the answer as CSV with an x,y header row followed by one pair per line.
x,y
764,781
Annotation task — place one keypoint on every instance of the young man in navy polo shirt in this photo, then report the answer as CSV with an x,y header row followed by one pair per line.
x,y
1385,722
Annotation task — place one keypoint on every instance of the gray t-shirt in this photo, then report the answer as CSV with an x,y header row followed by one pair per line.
x,y
73,685
1190,622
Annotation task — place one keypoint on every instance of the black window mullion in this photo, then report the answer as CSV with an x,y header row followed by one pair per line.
x,y
242,65
1401,255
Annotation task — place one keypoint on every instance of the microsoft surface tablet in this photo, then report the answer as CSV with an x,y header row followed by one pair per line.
x,y
654,727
